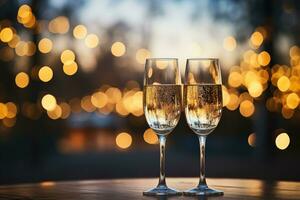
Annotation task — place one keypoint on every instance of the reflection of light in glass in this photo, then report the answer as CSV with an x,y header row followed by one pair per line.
x,y
123,140
282,141
118,49
45,45
247,108
79,32
48,102
252,139
91,40
22,80
45,74
150,137
283,83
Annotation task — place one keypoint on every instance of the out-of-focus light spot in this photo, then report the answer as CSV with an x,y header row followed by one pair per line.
x,y
286,112
118,49
45,45
257,39
67,56
47,184
99,99
87,105
264,58
21,48
9,122
123,140
13,43
283,83
49,102
121,110
233,102
45,74
252,139
255,89
11,110
24,11
141,55
70,68
292,100
6,35
91,40
247,108
114,95
3,111
229,43
66,110
235,79
79,32
294,52
22,80
282,141
31,48
150,137
59,24
55,113
225,96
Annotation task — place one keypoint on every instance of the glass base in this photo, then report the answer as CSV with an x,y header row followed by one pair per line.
x,y
162,190
203,190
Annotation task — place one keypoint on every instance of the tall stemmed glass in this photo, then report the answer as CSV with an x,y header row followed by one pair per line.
x,y
162,106
203,108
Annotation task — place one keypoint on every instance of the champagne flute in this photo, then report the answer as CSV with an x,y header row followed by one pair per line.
x,y
203,109
162,106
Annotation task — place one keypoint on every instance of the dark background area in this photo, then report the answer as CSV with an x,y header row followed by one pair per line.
x,y
64,121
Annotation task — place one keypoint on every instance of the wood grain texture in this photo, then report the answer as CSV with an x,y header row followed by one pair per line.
x,y
133,188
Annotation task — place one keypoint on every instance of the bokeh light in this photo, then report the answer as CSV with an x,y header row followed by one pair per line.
x,y
45,45
123,140
229,43
118,49
45,74
150,137
282,141
247,108
70,68
283,83
79,32
22,80
91,40
67,56
6,34
252,139
49,102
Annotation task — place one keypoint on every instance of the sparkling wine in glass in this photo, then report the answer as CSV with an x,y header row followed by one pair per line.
x,y
162,106
203,109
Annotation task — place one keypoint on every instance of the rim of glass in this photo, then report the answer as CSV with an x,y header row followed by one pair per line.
x,y
161,59
203,59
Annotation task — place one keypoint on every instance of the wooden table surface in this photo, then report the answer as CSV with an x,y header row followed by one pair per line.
x,y
132,189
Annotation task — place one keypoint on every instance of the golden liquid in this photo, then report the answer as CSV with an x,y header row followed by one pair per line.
x,y
203,107
162,104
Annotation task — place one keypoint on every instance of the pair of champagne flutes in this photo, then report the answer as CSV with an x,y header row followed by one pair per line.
x,y
164,98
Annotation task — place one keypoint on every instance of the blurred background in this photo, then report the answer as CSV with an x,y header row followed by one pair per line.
x,y
71,81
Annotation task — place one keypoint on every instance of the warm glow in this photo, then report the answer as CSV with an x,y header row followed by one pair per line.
x,y
252,139
286,112
292,101
123,140
11,110
47,184
99,99
150,137
118,49
264,58
79,32
87,105
114,94
59,24
282,141
49,102
55,113
6,35
141,55
22,80
45,74
3,111
225,96
233,102
257,39
283,83
255,89
162,64
235,79
229,43
24,11
70,68
247,108
65,109
67,56
91,40
45,45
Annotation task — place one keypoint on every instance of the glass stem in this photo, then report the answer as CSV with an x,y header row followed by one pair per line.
x,y
202,141
162,150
